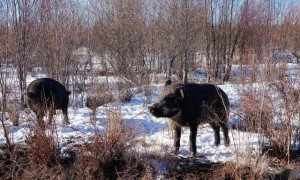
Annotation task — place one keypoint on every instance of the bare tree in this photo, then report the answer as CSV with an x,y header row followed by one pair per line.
x,y
59,34
180,31
119,30
4,61
221,38
23,39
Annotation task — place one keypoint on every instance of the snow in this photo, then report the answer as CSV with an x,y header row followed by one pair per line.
x,y
154,131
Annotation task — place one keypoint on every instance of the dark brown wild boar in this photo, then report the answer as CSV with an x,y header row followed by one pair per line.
x,y
46,94
190,105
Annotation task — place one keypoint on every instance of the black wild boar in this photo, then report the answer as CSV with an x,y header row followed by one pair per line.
x,y
47,94
190,105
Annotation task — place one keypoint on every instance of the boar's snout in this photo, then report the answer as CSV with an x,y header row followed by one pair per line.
x,y
151,109
154,110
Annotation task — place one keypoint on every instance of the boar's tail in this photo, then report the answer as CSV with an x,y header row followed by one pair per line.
x,y
31,94
68,92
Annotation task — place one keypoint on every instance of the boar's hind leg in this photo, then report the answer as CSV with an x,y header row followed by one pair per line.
x,y
224,128
216,127
51,115
39,116
177,135
65,112
193,134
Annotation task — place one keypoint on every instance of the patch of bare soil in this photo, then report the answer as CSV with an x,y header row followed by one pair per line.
x,y
201,168
15,164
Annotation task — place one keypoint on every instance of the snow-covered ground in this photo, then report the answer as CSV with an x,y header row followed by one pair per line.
x,y
154,131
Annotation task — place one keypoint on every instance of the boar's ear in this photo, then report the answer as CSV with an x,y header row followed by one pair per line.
x,y
168,82
30,94
68,92
180,92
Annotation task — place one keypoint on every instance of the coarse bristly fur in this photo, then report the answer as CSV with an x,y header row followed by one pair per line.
x,y
191,104
46,94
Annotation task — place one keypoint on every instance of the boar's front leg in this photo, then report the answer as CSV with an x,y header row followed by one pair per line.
x,y
224,128
193,134
216,127
177,135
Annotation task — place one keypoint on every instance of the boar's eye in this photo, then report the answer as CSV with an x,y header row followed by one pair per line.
x,y
168,100
171,100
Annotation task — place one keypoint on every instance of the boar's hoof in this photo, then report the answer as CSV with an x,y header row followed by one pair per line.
x,y
175,151
216,143
66,122
227,143
192,155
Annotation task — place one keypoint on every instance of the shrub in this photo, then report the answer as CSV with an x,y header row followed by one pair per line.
x,y
125,93
99,95
95,100
13,161
257,110
110,155
42,148
13,112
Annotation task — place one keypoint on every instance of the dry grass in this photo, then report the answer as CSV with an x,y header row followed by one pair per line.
x,y
99,95
125,93
111,155
96,100
257,112
238,171
42,147
13,161
272,110
13,111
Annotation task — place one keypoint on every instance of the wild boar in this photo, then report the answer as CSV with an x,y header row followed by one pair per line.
x,y
191,104
46,94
